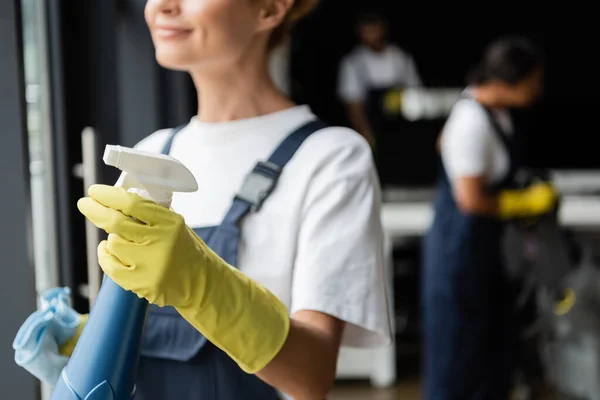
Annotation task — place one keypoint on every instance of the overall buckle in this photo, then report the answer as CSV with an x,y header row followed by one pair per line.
x,y
259,184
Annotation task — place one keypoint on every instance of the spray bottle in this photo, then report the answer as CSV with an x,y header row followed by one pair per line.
x,y
104,363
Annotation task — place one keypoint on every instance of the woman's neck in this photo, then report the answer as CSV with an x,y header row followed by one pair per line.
x,y
245,91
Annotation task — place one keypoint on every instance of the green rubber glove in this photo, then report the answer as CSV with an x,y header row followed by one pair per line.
x,y
159,258
538,199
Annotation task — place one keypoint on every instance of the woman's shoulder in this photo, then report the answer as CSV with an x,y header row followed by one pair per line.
x,y
341,136
467,113
338,147
468,107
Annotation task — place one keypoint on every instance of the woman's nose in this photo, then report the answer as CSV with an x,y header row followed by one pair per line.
x,y
166,6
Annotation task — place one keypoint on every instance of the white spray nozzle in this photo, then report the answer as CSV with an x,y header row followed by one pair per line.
x,y
151,175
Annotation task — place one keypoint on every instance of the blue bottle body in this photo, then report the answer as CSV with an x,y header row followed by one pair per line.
x,y
104,363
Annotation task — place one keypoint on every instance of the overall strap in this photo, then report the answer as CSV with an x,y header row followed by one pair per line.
x,y
506,142
167,147
261,181
500,133
508,147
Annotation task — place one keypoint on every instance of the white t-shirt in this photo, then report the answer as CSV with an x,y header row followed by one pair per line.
x,y
317,243
365,69
470,145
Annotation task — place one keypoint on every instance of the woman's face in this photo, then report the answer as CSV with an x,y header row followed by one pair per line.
x,y
526,92
189,34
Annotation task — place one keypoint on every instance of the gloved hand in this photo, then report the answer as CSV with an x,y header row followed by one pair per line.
x,y
151,252
392,101
535,200
38,340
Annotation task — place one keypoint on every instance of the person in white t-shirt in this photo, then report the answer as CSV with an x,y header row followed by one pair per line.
x,y
374,66
289,206
468,315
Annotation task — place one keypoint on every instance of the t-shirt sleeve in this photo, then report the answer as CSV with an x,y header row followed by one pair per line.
x,y
350,86
339,267
465,141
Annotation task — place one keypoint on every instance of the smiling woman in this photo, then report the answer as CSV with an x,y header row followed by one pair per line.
x,y
283,263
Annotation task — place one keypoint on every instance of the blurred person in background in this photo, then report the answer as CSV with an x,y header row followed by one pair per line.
x,y
468,313
372,68
280,277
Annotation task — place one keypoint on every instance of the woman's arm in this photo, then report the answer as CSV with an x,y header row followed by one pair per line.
x,y
534,200
306,365
465,147
358,119
352,92
471,197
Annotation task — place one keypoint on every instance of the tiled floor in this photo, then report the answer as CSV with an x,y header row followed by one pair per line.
x,y
408,390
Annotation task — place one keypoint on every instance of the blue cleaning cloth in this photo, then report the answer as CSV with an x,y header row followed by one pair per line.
x,y
66,320
38,340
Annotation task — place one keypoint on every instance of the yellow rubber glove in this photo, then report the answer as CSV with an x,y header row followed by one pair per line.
x,y
67,348
159,258
538,199
392,101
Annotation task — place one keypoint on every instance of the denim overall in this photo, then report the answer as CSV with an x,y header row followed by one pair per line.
x,y
373,102
177,362
466,298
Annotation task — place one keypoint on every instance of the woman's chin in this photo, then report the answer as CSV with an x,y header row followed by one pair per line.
x,y
172,61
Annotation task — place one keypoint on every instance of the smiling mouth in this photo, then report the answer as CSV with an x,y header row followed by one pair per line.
x,y
169,33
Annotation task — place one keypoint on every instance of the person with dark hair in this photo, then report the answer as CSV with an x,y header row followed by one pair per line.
x,y
467,308
515,62
373,67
